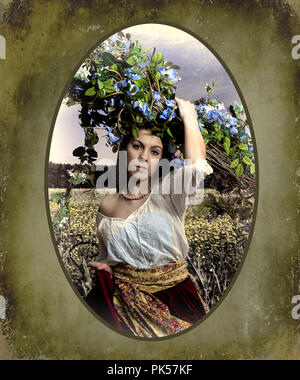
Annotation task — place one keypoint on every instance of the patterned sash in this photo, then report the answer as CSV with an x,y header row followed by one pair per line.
x,y
135,302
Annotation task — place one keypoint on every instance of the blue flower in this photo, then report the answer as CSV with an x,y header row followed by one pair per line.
x,y
200,125
231,120
118,86
135,76
78,88
233,131
144,108
156,96
162,70
250,148
126,47
178,163
143,64
215,116
132,86
170,103
129,71
124,83
111,136
166,114
172,149
172,74
247,130
227,125
108,48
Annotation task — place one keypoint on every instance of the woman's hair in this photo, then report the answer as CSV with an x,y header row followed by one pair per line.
x,y
123,145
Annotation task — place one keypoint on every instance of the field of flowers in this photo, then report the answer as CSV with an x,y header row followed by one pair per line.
x,y
217,231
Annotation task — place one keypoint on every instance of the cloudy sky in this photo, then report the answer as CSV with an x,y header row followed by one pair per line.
x,y
198,67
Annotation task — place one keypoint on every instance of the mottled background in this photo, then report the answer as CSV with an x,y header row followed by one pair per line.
x,y
46,41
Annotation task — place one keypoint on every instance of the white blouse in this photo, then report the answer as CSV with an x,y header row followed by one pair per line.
x,y
153,234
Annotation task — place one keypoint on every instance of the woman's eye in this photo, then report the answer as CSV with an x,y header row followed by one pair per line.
x,y
136,146
156,153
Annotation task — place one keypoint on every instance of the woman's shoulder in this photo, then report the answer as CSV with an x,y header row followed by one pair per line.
x,y
107,204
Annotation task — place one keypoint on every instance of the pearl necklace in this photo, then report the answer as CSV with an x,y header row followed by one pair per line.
x,y
135,198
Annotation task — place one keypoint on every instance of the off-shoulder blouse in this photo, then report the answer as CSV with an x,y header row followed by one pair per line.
x,y
154,234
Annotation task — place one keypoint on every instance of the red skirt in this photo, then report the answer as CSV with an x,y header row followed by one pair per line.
x,y
182,300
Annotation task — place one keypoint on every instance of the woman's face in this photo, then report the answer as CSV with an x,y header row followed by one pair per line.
x,y
146,151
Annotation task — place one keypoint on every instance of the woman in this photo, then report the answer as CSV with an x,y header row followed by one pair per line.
x,y
143,286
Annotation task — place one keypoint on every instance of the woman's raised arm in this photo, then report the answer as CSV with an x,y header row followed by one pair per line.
x,y
191,175
194,145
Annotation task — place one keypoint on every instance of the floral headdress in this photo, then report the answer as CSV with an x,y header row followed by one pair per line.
x,y
123,87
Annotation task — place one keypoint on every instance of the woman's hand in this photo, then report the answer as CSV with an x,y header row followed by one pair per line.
x,y
187,109
194,145
94,266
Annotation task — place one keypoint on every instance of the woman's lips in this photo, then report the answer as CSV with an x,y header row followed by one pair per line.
x,y
142,168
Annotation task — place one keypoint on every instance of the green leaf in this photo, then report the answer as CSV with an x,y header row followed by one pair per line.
x,y
92,153
109,59
239,170
100,84
232,150
158,57
227,145
247,161
56,197
234,163
243,147
219,135
227,133
156,129
135,131
170,133
110,89
101,93
91,92
108,82
213,102
217,127
247,153
131,60
79,152
141,82
252,168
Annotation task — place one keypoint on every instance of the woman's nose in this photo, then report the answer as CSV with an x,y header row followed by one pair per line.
x,y
143,156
